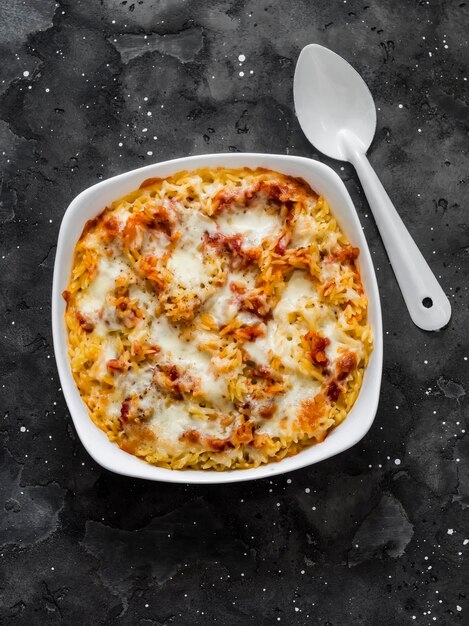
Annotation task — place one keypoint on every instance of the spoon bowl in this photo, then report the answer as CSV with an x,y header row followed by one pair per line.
x,y
332,98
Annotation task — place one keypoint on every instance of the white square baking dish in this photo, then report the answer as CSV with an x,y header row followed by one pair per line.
x,y
93,200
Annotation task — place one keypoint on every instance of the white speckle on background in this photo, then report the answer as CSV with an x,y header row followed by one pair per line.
x,y
450,531
241,58
26,73
397,461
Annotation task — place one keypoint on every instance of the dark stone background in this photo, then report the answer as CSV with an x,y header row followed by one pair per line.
x,y
377,535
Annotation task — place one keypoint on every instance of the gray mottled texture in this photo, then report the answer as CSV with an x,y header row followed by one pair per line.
x,y
373,536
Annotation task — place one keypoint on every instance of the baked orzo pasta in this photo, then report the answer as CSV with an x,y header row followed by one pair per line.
x,y
217,319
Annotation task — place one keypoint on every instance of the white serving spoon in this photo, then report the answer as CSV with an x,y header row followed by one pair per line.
x,y
337,114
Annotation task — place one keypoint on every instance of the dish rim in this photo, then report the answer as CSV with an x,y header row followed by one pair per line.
x,y
96,443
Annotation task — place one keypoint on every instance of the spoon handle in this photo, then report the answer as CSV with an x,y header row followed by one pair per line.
x,y
426,301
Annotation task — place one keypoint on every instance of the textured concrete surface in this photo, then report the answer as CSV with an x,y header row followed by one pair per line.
x,y
378,535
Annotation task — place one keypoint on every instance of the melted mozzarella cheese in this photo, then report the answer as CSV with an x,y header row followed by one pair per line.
x,y
304,230
340,342
261,350
93,298
254,223
282,335
122,214
288,405
298,293
144,299
108,351
194,227
188,268
136,383
223,305
186,355
186,263
330,331
155,243
171,421
166,336
329,270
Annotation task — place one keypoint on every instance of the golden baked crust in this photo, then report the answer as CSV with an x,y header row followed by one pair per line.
x,y
217,319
